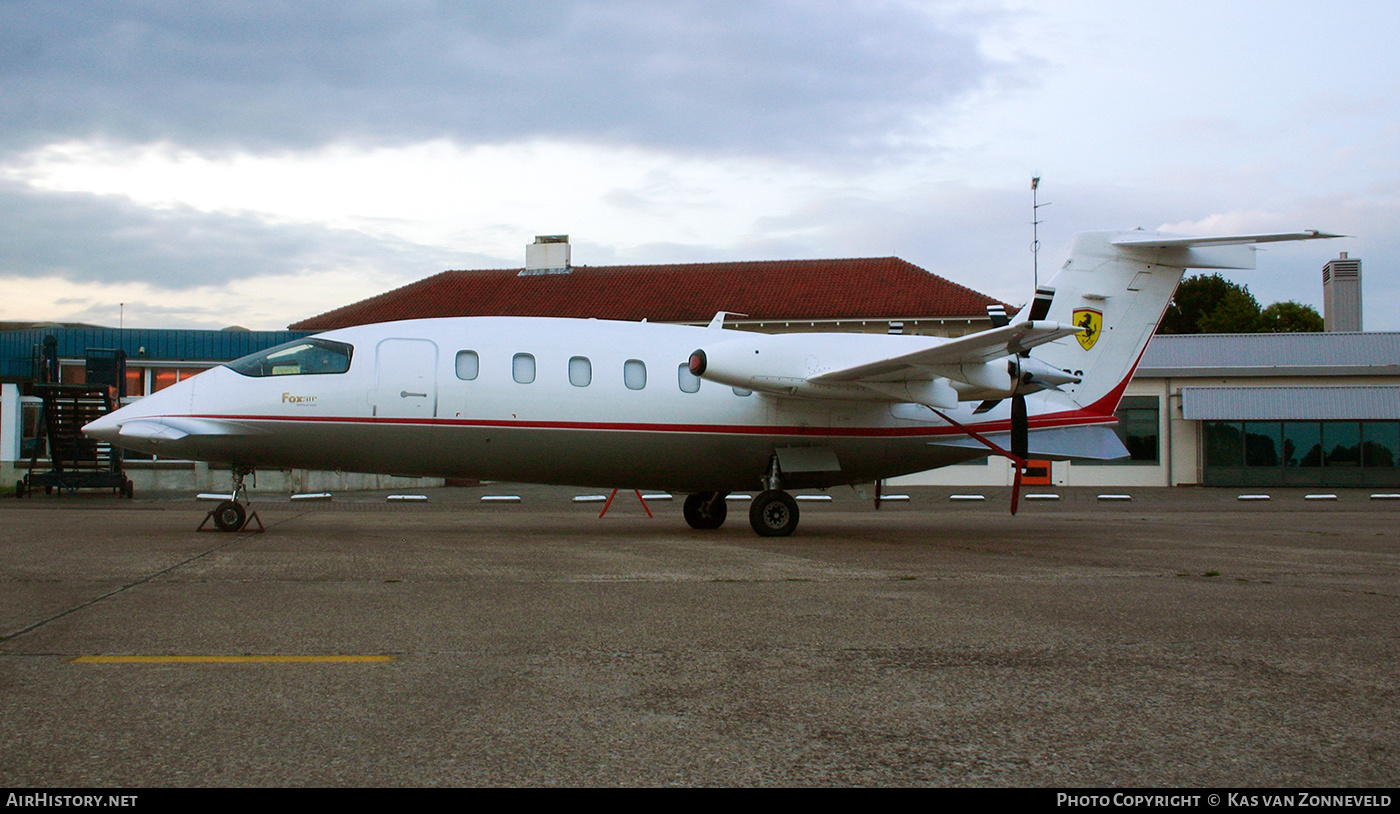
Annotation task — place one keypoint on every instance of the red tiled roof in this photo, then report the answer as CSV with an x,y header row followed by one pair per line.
x,y
866,288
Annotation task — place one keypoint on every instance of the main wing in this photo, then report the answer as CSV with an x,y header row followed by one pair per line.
x,y
925,370
973,349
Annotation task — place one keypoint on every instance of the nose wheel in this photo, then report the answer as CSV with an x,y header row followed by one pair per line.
x,y
233,514
229,516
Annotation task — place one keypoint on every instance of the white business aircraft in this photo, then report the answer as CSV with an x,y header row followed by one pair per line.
x,y
702,410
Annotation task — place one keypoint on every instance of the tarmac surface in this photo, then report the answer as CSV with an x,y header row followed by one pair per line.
x,y
1184,638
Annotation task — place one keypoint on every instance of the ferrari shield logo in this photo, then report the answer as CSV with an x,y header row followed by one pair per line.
x,y
1091,320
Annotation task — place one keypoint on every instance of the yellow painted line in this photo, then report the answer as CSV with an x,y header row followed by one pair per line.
x,y
230,659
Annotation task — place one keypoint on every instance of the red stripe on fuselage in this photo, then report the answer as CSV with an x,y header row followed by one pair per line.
x,y
1075,418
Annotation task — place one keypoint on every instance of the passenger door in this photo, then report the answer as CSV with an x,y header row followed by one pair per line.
x,y
405,373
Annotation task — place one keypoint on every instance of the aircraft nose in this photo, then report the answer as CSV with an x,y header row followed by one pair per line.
x,y
105,428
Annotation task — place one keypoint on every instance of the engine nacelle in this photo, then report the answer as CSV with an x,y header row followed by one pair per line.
x,y
763,362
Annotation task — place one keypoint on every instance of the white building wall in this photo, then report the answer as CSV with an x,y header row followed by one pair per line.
x,y
10,426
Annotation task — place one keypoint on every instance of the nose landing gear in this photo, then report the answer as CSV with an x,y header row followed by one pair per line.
x,y
233,514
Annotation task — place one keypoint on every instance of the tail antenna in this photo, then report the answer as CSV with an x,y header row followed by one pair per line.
x,y
1035,228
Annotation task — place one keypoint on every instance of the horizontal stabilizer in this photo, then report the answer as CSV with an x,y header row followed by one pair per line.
x,y
1097,443
1217,252
1187,242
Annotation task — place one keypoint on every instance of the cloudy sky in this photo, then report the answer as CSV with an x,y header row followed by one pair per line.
x,y
258,162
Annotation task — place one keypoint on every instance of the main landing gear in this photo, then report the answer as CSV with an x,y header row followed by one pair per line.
x,y
232,514
706,510
773,513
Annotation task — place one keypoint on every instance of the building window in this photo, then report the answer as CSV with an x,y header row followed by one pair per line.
x,y
163,377
689,382
634,374
1302,444
1381,445
522,368
1224,443
30,444
1341,443
468,365
1300,453
580,371
1263,443
1139,420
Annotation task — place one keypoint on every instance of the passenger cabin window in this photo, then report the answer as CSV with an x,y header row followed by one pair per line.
x,y
298,357
689,382
634,374
522,368
580,371
468,365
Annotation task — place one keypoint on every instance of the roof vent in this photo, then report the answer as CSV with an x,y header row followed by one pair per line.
x,y
549,254
1341,294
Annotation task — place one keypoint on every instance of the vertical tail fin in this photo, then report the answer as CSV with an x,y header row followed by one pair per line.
x,y
1116,286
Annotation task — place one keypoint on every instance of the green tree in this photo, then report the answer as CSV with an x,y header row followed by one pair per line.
x,y
1209,303
1290,317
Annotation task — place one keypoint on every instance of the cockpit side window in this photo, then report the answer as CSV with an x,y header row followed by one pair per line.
x,y
300,356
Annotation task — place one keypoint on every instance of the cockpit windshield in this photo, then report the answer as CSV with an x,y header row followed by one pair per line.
x,y
300,356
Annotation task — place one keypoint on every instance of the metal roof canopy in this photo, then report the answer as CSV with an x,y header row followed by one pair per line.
x,y
1290,403
1281,354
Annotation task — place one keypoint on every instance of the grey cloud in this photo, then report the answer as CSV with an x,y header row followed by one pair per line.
x,y
84,237
757,77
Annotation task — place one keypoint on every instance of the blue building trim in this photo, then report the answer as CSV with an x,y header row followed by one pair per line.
x,y
18,348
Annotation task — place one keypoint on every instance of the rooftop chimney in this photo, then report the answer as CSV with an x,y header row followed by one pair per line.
x,y
1341,294
549,254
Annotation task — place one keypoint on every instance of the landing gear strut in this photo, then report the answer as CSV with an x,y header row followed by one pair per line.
x,y
232,514
773,513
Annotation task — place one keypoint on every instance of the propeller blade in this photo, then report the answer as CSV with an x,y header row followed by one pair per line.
x,y
1016,484
1020,427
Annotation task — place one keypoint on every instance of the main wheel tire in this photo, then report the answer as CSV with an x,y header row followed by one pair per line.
x,y
773,513
20,488
230,516
705,510
128,489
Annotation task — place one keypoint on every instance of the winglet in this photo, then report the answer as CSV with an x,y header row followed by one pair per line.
x,y
718,322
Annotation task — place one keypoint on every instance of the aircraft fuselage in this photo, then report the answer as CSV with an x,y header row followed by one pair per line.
x,y
581,402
